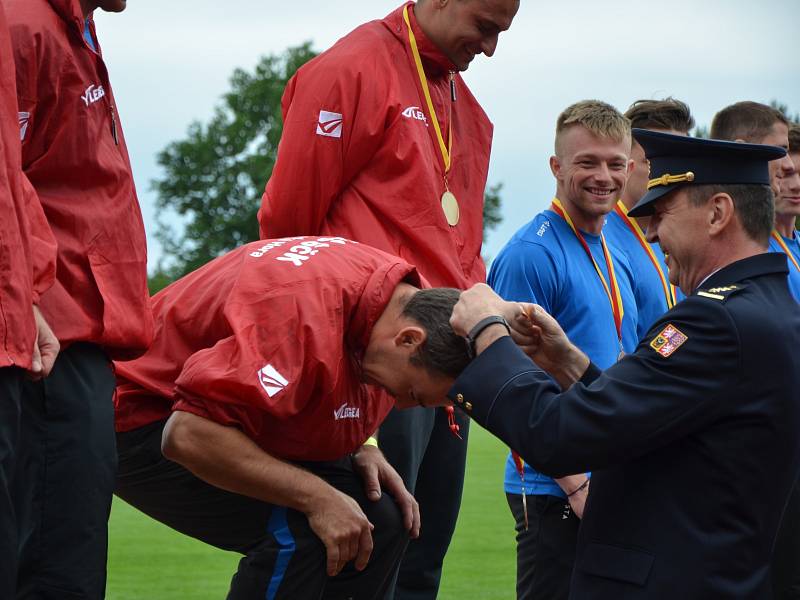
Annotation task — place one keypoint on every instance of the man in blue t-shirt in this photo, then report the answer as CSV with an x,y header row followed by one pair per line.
x,y
560,260
651,287
785,238
757,123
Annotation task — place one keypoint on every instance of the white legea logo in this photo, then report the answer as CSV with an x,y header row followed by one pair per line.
x,y
414,112
272,381
329,124
92,94
346,412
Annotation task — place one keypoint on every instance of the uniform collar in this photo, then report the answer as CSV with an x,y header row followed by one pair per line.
x,y
433,59
766,263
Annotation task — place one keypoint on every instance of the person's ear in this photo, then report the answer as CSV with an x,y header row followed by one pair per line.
x,y
720,213
555,166
410,338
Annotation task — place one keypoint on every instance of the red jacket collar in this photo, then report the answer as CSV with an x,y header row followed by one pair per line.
x,y
69,10
433,59
374,299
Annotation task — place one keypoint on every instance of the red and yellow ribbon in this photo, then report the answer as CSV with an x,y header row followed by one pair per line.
x,y
611,287
669,289
778,238
446,150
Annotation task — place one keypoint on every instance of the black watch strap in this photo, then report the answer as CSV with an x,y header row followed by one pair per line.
x,y
473,334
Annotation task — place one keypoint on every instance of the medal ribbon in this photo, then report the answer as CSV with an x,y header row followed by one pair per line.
x,y
423,80
611,287
778,238
669,289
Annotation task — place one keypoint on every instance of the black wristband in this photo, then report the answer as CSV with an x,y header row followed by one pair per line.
x,y
473,334
579,488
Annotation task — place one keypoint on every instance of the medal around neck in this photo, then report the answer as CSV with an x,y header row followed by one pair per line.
x,y
450,208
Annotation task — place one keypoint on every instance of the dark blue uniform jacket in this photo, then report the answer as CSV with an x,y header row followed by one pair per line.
x,y
693,440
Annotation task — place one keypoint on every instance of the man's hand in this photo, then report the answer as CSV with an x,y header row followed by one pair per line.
x,y
548,345
376,472
45,348
339,522
577,501
476,303
226,458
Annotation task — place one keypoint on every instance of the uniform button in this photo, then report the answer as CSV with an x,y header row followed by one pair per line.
x,y
468,405
460,398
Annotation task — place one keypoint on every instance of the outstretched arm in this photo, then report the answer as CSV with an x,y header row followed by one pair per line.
x,y
226,458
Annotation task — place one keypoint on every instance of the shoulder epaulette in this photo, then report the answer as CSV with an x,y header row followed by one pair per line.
x,y
721,292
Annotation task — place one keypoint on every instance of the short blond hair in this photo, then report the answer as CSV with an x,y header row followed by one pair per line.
x,y
602,119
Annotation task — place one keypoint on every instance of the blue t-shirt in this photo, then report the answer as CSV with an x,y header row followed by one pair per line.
x,y
793,244
648,290
87,35
545,263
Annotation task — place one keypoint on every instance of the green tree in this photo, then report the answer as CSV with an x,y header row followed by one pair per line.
x,y
214,178
784,109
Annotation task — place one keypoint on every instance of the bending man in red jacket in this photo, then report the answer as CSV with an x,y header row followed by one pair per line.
x,y
74,154
384,143
27,265
268,373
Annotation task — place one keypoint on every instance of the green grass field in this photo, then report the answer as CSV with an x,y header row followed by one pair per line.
x,y
148,561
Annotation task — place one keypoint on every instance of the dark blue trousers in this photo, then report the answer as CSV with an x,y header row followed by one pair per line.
x,y
67,468
10,392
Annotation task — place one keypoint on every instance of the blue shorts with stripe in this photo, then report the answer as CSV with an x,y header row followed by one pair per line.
x,y
283,558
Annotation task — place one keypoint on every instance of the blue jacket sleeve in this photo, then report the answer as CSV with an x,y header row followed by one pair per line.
x,y
643,402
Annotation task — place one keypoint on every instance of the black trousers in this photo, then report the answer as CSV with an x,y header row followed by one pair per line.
x,y
10,393
431,460
283,557
68,462
786,555
546,551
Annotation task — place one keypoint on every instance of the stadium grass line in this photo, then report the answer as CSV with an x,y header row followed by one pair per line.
x,y
148,561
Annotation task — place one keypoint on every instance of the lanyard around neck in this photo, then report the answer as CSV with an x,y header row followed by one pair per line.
x,y
669,289
611,287
778,238
423,80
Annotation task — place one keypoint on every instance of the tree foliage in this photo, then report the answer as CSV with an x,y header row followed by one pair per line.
x,y
214,178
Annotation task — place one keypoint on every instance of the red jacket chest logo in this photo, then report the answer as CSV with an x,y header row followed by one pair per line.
x,y
92,94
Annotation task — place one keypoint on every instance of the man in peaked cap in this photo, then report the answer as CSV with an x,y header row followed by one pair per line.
x,y
694,439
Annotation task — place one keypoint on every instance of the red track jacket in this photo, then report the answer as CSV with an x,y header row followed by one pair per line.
x,y
27,247
378,176
74,154
267,338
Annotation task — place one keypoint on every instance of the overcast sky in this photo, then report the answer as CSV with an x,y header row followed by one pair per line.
x,y
170,61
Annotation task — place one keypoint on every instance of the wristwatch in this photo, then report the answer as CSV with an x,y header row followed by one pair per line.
x,y
473,334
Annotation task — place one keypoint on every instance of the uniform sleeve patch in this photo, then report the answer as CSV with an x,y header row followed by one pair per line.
x,y
670,339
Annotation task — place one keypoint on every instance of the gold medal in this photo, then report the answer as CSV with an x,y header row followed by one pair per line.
x,y
450,208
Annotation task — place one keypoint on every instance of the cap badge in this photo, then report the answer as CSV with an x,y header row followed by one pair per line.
x,y
667,179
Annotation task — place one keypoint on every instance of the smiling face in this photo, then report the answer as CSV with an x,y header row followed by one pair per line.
x,y
682,230
788,201
462,29
591,172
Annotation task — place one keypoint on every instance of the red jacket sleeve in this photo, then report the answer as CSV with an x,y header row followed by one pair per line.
x,y
286,346
42,243
334,119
